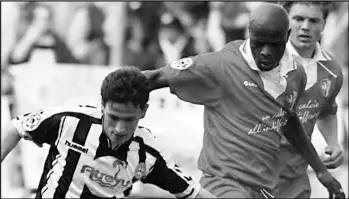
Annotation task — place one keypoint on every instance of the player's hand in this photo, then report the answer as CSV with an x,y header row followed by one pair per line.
x,y
335,156
333,186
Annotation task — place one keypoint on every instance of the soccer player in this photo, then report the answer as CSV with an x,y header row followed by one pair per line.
x,y
101,153
246,89
317,105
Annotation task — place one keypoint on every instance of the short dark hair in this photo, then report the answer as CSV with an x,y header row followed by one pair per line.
x,y
127,84
326,7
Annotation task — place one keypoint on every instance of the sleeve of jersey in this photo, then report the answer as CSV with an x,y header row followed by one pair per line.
x,y
196,79
331,106
166,175
39,127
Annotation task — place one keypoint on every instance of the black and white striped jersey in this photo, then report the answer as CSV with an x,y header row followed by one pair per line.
x,y
82,164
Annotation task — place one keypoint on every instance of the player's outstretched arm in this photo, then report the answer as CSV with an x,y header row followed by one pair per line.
x,y
157,78
296,135
9,139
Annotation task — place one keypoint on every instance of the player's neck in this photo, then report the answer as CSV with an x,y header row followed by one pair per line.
x,y
306,52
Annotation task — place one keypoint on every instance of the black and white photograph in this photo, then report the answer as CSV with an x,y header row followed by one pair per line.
x,y
174,99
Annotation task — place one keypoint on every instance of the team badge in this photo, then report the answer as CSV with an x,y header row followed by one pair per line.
x,y
118,162
325,85
182,64
291,99
32,121
140,171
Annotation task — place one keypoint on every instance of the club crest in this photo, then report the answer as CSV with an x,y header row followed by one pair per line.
x,y
325,85
291,99
140,171
32,121
182,64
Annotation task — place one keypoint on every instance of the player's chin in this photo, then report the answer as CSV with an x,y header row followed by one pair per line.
x,y
265,67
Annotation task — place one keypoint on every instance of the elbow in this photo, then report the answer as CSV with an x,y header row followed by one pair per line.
x,y
157,78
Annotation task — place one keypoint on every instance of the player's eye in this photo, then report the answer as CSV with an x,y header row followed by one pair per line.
x,y
299,19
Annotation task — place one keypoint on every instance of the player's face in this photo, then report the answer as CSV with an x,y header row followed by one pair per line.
x,y
267,47
306,23
120,120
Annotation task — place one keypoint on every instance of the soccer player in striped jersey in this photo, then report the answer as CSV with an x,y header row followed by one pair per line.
x,y
317,105
101,152
245,89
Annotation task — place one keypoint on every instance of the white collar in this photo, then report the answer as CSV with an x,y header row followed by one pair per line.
x,y
287,62
320,54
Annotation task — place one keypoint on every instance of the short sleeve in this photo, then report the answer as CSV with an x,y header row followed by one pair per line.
x,y
165,174
40,126
196,79
330,108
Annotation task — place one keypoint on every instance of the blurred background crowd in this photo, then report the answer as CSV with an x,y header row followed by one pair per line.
x,y
148,35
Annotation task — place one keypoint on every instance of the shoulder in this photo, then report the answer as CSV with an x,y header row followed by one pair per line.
x,y
330,63
56,113
146,135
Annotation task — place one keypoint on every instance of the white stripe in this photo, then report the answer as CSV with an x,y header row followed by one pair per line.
x,y
60,130
323,66
67,134
91,143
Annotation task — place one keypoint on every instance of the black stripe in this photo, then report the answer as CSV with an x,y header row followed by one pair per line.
x,y
73,157
47,167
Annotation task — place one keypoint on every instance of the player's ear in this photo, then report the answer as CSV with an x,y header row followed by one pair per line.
x,y
288,33
144,111
102,107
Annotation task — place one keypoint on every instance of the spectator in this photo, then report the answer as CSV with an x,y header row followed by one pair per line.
x,y
141,48
86,36
33,30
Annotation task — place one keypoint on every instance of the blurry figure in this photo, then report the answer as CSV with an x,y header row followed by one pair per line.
x,y
9,17
86,36
193,16
215,33
141,46
235,16
34,30
174,41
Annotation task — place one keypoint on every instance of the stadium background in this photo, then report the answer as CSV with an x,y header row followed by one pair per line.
x,y
44,76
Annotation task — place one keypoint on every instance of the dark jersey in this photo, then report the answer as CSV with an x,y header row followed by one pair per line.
x,y
325,80
82,164
241,120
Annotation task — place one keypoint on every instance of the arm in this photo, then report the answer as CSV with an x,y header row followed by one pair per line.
x,y
328,128
297,136
77,33
327,124
9,139
165,174
10,12
35,31
196,80
157,78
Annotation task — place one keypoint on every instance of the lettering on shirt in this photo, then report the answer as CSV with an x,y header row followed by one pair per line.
x,y
76,147
106,180
307,112
273,122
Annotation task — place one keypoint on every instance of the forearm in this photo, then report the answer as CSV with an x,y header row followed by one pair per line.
x,y
328,128
21,50
9,140
296,135
157,78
